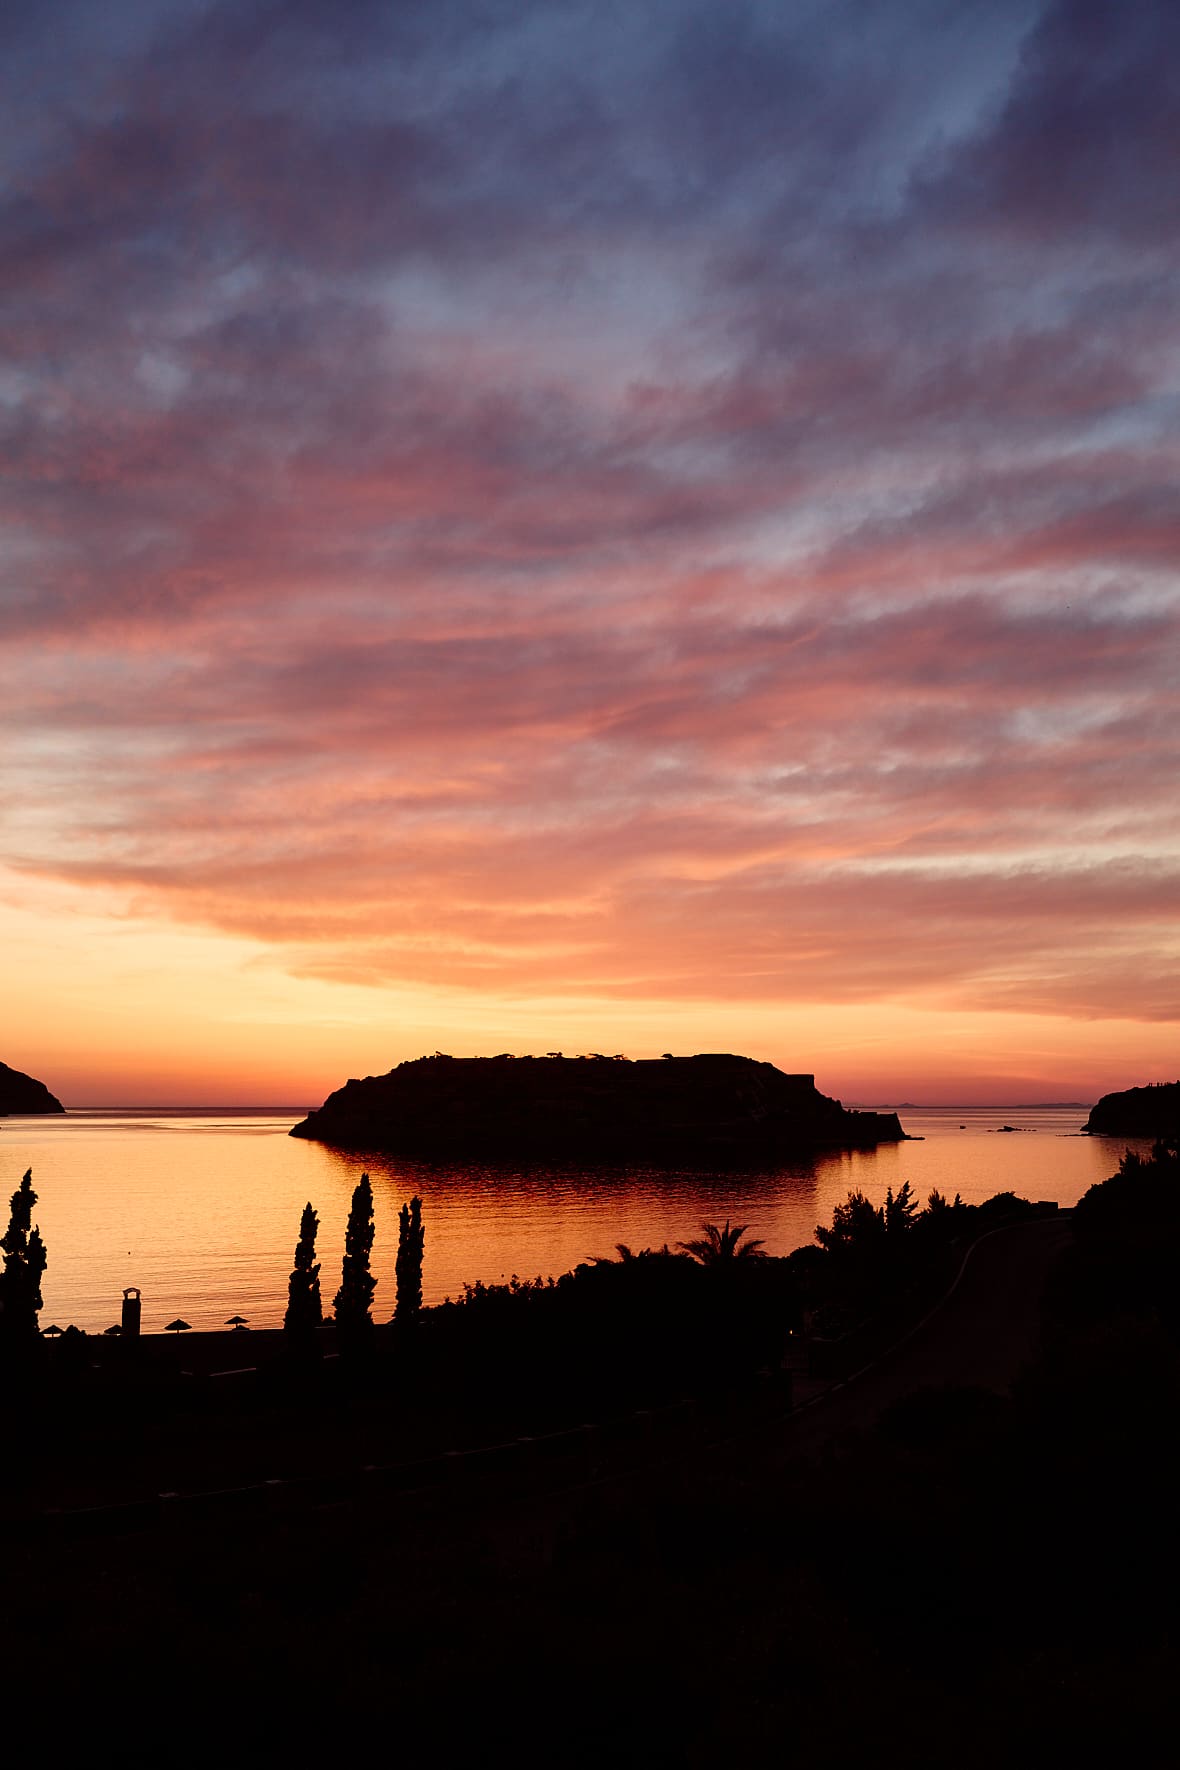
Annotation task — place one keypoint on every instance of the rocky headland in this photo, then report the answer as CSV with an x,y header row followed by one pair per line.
x,y
20,1093
1153,1111
707,1109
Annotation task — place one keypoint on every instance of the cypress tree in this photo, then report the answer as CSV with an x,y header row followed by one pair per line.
x,y
411,1240
24,1265
305,1310
354,1300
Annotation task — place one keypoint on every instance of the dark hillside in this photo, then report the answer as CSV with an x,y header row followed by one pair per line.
x,y
21,1093
1153,1111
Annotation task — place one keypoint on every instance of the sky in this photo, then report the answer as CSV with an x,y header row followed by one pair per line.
x,y
589,526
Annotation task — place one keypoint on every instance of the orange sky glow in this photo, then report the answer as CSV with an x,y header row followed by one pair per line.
x,y
632,537
166,1016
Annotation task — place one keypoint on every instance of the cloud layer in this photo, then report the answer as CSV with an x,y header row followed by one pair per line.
x,y
661,502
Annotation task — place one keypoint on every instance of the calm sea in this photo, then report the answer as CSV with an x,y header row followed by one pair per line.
x,y
201,1209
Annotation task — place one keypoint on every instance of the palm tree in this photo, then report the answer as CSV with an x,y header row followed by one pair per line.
x,y
719,1247
625,1253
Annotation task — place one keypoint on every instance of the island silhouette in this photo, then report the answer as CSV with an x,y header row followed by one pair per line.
x,y
20,1093
1151,1111
713,1107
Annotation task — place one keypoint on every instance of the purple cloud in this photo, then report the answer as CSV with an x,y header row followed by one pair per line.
x,y
678,506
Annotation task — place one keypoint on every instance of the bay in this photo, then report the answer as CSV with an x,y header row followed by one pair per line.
x,y
200,1209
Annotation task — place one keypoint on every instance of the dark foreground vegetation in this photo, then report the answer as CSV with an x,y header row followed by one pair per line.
x,y
714,1317
981,1578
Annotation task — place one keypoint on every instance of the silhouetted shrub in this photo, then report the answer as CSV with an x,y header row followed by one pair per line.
x,y
877,1261
411,1242
24,1266
613,1332
305,1310
354,1300
1125,1234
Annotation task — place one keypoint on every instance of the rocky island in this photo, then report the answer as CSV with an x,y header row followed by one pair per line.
x,y
21,1093
710,1109
1153,1111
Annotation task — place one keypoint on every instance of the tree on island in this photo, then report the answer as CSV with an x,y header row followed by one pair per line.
x,y
305,1310
24,1266
354,1300
411,1240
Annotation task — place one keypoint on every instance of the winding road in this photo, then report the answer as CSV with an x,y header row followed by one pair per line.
x,y
981,1334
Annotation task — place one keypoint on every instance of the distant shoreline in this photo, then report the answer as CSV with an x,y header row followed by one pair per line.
x,y
981,1106
171,1111
181,1111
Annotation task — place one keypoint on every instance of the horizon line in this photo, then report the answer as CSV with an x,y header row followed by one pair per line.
x,y
266,1106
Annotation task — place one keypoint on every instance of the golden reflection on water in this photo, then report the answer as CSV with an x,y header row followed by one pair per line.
x,y
201,1210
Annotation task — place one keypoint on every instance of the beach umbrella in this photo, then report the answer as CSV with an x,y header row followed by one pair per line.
x,y
237,1321
177,1326
52,1331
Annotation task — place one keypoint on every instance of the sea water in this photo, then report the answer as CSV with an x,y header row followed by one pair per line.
x,y
200,1210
